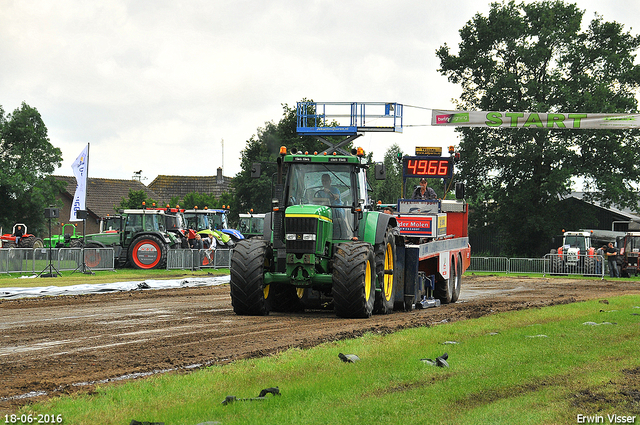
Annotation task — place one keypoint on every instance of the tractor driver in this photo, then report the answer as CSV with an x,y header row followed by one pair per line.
x,y
328,191
423,191
18,232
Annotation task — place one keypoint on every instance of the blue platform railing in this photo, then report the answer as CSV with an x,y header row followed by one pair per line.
x,y
348,118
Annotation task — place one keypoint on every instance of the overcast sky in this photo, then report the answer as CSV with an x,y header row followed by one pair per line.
x,y
157,85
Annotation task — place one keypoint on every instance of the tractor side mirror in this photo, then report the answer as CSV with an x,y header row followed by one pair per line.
x,y
459,190
255,170
381,171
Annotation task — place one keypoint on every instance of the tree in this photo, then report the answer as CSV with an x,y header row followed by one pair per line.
x,y
27,159
264,148
388,190
135,200
534,57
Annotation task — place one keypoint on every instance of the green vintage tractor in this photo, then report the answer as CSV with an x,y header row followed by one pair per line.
x,y
324,246
68,238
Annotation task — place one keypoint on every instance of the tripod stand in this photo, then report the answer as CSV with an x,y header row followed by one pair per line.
x,y
83,268
50,267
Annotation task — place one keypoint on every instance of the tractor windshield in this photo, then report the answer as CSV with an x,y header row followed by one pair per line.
x,y
217,221
632,244
575,242
196,221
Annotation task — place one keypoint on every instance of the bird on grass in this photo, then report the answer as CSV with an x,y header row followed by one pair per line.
x,y
348,358
439,361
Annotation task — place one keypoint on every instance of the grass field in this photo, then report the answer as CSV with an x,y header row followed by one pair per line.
x,y
552,365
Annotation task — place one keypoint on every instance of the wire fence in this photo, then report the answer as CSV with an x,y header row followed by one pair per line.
x,y
39,260
45,260
552,264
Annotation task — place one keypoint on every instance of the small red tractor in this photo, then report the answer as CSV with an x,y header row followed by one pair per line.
x,y
20,238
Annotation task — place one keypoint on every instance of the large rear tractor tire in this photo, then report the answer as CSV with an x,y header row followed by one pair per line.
x,y
31,242
249,295
385,264
353,279
147,252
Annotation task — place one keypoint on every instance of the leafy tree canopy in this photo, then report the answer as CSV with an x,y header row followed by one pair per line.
x,y
27,159
536,57
136,200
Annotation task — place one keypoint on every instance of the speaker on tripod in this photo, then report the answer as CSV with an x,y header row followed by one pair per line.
x,y
83,268
50,213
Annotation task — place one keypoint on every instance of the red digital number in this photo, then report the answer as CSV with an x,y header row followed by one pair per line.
x,y
443,168
427,167
411,166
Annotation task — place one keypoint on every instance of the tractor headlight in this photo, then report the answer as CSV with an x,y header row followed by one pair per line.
x,y
297,237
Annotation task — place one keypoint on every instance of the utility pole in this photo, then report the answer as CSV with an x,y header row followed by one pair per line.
x,y
222,143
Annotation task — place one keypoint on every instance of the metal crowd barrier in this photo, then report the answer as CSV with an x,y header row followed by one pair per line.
x,y
36,260
552,264
194,259
489,264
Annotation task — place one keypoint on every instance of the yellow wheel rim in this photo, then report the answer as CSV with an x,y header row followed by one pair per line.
x,y
300,292
367,281
266,291
388,278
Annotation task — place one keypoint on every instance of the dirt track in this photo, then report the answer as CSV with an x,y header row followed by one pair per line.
x,y
50,346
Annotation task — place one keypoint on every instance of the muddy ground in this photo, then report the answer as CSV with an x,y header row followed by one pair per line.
x,y
67,344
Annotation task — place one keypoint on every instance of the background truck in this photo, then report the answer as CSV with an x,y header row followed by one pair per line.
x,y
339,252
630,254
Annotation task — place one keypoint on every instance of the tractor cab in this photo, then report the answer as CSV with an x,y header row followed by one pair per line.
x,y
110,224
330,188
251,225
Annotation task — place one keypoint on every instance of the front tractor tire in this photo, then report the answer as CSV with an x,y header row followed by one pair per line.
x,y
385,264
147,252
249,295
353,279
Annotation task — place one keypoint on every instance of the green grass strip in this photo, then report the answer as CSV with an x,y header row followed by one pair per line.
x,y
546,365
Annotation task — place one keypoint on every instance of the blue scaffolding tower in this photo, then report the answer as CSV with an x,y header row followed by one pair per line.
x,y
349,119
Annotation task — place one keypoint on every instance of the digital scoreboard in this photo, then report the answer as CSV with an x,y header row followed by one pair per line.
x,y
427,167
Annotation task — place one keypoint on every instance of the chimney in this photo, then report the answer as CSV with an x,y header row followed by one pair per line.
x,y
219,177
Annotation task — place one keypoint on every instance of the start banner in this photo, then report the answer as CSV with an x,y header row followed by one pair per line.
x,y
539,120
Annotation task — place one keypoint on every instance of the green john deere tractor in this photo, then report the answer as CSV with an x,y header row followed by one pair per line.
x,y
324,246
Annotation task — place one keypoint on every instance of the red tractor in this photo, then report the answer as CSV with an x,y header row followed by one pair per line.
x,y
20,238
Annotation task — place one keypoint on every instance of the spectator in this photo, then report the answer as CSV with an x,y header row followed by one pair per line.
x,y
612,258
